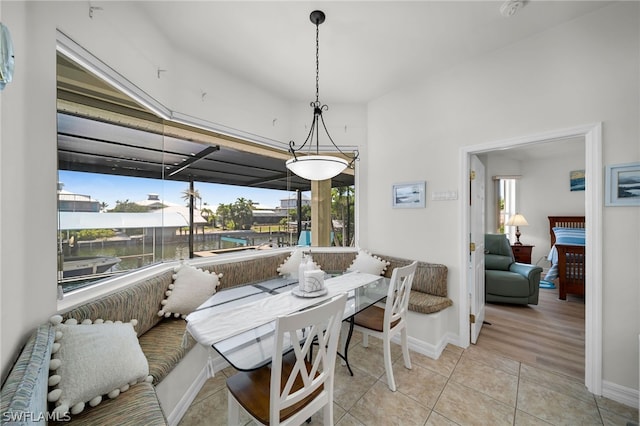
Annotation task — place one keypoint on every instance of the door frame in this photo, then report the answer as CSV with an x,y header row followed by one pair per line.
x,y
592,134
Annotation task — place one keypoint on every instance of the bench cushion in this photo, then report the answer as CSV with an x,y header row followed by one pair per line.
x,y
25,389
162,345
427,303
247,271
430,278
333,262
141,301
137,406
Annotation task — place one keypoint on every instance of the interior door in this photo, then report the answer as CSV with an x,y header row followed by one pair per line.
x,y
475,280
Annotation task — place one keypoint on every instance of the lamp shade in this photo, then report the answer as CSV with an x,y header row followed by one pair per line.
x,y
317,167
517,220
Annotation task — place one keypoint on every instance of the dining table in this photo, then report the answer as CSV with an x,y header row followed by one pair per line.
x,y
240,322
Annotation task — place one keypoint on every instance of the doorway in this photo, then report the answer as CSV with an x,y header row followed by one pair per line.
x,y
592,135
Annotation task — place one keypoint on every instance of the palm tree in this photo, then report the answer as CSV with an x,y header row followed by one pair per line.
x,y
242,213
342,209
224,213
186,195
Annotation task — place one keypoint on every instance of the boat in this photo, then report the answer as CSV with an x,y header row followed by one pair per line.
x,y
87,265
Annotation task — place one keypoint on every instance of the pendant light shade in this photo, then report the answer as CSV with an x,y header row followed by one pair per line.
x,y
312,165
317,167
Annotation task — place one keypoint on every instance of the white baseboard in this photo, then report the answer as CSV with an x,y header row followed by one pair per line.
x,y
621,394
429,349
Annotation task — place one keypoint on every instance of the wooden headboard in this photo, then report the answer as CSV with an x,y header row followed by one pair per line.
x,y
564,222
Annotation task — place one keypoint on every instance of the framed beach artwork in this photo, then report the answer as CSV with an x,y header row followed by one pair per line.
x,y
622,185
576,180
409,195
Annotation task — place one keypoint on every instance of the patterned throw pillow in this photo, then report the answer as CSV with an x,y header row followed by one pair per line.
x,y
91,360
191,287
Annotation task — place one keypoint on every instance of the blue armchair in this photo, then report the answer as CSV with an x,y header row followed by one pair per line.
x,y
507,281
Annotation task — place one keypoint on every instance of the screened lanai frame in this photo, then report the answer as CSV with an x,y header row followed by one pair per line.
x,y
156,142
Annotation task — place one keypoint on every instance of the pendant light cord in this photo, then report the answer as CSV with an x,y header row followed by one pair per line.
x,y
317,64
317,17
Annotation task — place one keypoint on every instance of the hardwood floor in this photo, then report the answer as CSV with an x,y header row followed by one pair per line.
x,y
549,335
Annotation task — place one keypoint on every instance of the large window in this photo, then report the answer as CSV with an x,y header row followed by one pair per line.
x,y
136,189
506,203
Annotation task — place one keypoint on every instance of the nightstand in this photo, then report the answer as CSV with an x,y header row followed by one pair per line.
x,y
522,253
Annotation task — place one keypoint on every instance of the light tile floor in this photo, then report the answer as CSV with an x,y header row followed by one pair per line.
x,y
462,387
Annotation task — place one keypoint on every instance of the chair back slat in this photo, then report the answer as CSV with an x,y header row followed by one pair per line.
x,y
398,295
321,325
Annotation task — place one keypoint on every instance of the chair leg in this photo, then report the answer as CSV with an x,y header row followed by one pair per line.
x,y
365,339
387,363
405,348
233,411
328,414
343,340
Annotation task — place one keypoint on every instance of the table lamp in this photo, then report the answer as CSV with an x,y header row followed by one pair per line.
x,y
517,220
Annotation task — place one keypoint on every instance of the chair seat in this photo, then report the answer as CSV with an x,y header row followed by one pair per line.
x,y
372,318
251,390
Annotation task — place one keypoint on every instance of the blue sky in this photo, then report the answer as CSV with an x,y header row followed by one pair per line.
x,y
111,188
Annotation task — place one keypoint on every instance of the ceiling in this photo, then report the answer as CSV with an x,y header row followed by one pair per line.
x,y
558,148
367,48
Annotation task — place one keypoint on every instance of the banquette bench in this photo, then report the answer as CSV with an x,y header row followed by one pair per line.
x,y
163,340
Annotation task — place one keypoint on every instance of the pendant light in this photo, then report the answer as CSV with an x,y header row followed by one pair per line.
x,y
313,166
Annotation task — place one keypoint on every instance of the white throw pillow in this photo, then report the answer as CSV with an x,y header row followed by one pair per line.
x,y
191,287
368,263
90,360
289,268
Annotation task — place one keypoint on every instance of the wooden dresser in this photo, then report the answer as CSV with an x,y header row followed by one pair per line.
x,y
522,253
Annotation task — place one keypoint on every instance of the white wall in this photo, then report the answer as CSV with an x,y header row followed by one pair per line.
x,y
580,72
27,182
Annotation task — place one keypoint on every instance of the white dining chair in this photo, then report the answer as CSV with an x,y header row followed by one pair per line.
x,y
384,323
292,388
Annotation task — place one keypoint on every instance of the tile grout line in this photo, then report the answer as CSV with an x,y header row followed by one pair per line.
x,y
433,410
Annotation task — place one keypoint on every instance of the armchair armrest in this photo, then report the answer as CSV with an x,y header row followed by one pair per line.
x,y
531,272
525,269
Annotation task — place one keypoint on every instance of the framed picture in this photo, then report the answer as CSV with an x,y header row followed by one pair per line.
x,y
576,180
622,185
409,195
